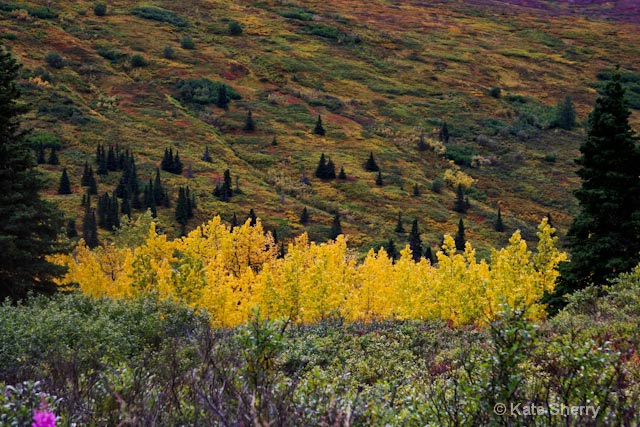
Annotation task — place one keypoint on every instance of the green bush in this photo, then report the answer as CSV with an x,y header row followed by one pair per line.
x,y
138,61
461,155
44,139
495,92
161,15
201,91
168,52
112,54
42,12
437,185
235,28
55,60
322,30
298,13
100,9
187,42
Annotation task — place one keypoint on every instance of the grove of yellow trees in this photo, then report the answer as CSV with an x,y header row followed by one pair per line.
x,y
231,272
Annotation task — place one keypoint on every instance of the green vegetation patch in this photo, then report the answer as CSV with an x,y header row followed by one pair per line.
x,y
202,91
322,30
630,81
41,12
301,14
161,15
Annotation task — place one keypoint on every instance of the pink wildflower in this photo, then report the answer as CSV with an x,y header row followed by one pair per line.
x,y
43,418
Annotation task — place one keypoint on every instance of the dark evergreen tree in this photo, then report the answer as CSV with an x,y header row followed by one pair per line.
x,y
304,216
444,133
565,114
125,208
331,170
103,206
428,254
249,123
422,145
53,157
64,187
379,181
253,219
177,164
371,164
415,242
460,205
112,160
224,191
182,209
416,190
149,200
102,161
460,238
319,129
336,227
84,181
399,226
90,228
206,156
391,250
113,216
321,170
342,175
274,141
499,226
93,184
237,190
605,236
158,190
40,156
234,221
29,226
72,233
222,100
84,200
167,160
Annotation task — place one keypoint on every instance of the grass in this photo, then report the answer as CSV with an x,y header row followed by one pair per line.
x,y
372,95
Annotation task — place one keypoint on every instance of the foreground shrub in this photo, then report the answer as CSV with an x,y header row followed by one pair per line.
x,y
163,365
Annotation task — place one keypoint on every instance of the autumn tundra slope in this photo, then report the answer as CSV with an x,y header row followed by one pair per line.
x,y
441,94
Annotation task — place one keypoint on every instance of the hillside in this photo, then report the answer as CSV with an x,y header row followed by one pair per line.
x,y
378,73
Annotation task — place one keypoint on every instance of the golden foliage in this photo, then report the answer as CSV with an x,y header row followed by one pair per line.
x,y
454,177
230,272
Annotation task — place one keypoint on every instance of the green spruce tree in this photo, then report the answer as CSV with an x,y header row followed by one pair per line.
x,y
249,123
64,187
565,114
461,204
342,175
371,164
399,226
415,242
499,226
29,227
604,238
304,216
460,238
319,129
336,227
